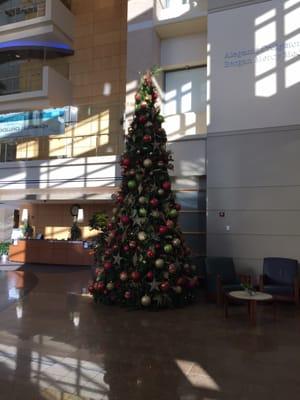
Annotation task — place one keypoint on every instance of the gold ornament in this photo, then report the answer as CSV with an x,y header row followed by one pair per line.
x,y
142,236
110,286
146,301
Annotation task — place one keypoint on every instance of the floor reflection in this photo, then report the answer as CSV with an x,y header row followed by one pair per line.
x,y
56,344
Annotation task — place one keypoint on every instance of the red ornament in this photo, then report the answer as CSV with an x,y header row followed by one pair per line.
x,y
127,295
172,268
132,244
112,234
108,252
120,199
150,254
163,230
166,185
125,219
144,104
115,247
157,246
154,96
149,275
154,202
138,97
110,226
136,276
100,286
107,265
193,282
180,281
91,289
126,162
165,286
170,224
142,119
126,248
147,138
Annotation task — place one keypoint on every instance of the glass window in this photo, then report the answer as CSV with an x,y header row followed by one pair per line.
x,y
185,91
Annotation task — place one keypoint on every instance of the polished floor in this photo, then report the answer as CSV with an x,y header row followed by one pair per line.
x,y
55,344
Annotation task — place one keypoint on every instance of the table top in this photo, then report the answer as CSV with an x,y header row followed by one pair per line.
x,y
244,295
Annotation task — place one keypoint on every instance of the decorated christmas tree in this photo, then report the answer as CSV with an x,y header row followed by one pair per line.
x,y
143,260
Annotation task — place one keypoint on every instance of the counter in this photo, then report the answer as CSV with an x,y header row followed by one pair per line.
x,y
51,252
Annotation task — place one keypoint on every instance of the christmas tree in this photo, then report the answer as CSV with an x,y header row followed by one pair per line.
x,y
144,261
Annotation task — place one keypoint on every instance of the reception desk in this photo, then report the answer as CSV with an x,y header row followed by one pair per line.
x,y
51,252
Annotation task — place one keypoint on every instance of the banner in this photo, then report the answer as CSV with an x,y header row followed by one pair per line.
x,y
47,122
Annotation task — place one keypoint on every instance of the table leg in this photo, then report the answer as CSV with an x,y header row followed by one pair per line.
x,y
253,312
274,310
226,306
249,308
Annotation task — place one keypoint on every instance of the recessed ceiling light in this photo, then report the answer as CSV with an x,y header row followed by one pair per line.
x,y
18,56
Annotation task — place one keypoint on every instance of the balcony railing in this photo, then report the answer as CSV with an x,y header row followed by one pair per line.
x,y
24,82
27,80
12,11
172,3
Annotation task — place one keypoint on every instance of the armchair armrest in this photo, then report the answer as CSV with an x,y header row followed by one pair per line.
x,y
296,290
219,290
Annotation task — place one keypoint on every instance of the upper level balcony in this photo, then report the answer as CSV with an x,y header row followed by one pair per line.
x,y
35,21
36,88
180,17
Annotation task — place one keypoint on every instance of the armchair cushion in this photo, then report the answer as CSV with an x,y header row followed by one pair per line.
x,y
279,271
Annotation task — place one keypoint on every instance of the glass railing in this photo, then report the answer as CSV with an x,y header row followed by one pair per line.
x,y
28,81
17,10
90,130
27,76
172,3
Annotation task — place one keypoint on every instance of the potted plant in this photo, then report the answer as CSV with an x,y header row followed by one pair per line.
x,y
27,230
4,246
98,221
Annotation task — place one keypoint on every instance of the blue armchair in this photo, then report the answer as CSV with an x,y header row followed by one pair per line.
x,y
280,278
221,277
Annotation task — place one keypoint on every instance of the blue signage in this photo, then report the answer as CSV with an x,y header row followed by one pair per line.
x,y
37,123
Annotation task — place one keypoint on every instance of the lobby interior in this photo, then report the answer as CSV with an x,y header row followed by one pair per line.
x,y
229,91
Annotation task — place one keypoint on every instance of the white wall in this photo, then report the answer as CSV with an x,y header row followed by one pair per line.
x,y
62,17
184,50
143,48
253,142
250,92
189,157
